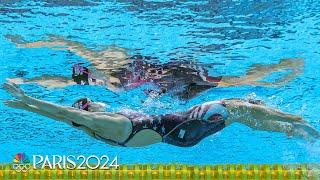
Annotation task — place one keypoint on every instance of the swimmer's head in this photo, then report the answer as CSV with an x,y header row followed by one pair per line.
x,y
88,105
82,104
80,74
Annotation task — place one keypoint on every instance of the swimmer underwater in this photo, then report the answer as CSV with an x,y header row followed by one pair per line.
x,y
128,128
117,71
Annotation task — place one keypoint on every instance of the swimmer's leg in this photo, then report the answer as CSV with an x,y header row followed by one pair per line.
x,y
47,81
264,118
257,72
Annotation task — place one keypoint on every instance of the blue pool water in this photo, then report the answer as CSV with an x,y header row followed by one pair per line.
x,y
234,33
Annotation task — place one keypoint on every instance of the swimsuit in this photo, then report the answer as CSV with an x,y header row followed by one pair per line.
x,y
168,75
184,80
183,129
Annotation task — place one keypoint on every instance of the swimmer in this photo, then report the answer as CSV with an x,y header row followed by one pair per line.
x,y
128,128
116,70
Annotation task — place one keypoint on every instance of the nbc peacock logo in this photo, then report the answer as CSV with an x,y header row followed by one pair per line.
x,y
21,162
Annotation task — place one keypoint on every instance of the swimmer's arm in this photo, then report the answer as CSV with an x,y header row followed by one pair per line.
x,y
54,43
21,43
263,118
91,132
68,113
72,114
78,116
20,105
108,125
47,81
105,60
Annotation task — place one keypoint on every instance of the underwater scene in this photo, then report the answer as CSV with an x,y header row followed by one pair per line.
x,y
148,81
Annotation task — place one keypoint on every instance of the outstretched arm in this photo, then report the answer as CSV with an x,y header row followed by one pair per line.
x,y
20,105
104,61
54,42
47,81
17,104
261,117
72,114
109,125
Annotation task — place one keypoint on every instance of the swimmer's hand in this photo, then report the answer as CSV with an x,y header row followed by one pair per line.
x,y
16,80
17,39
16,104
14,90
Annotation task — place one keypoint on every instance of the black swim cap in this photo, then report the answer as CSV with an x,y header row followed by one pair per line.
x,y
82,103
80,77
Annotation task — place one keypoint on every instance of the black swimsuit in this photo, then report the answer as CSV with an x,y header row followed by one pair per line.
x,y
184,130
184,82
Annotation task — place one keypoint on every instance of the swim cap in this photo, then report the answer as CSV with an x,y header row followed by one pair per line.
x,y
80,74
82,104
209,111
216,111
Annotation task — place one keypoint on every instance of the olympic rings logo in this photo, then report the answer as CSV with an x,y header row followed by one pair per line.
x,y
21,167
